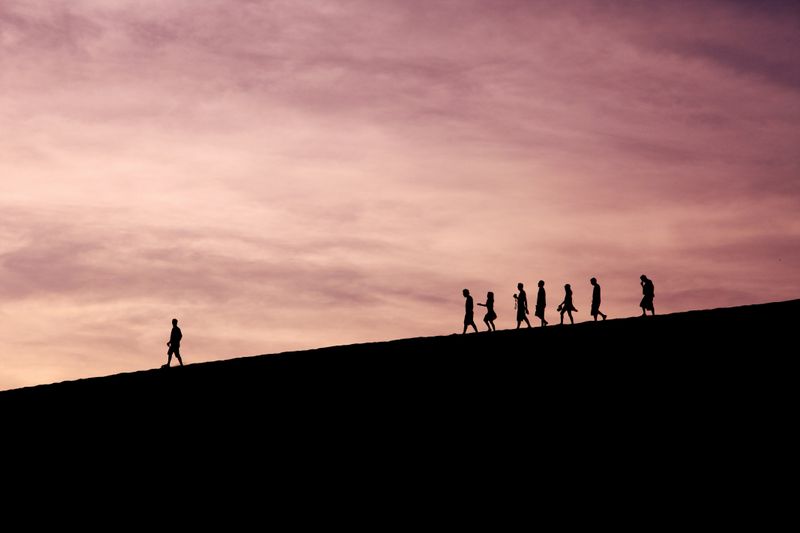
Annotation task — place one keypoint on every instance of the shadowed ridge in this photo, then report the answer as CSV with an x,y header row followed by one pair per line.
x,y
606,418
586,358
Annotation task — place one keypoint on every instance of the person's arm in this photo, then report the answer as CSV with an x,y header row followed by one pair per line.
x,y
482,305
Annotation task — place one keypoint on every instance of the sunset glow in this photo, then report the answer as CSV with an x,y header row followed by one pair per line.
x,y
293,174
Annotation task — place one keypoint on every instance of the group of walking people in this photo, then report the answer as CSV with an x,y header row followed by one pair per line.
x,y
520,304
565,307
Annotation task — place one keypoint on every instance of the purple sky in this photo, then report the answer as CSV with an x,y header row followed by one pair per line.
x,y
293,174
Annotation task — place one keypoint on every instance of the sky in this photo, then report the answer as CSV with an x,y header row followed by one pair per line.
x,y
281,175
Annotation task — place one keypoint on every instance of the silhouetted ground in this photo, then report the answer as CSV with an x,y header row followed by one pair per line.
x,y
642,366
681,402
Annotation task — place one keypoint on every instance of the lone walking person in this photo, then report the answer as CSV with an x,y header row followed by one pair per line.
x,y
174,344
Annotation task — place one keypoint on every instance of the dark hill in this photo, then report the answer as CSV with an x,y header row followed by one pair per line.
x,y
633,421
646,365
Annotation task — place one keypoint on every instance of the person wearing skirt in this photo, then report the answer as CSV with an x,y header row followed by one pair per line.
x,y
490,316
648,293
566,306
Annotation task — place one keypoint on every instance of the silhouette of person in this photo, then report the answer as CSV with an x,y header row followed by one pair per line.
x,y
468,319
649,292
490,316
541,303
522,306
174,344
566,306
596,300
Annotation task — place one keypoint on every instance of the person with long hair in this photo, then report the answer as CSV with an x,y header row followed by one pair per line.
x,y
566,306
490,316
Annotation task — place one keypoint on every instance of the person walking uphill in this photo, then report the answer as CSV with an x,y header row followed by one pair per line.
x,y
566,306
541,303
490,316
522,306
648,293
174,344
469,320
596,300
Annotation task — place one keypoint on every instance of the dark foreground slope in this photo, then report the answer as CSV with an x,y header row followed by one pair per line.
x,y
642,366
656,420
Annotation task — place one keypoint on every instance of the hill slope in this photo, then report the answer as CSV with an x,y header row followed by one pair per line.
x,y
642,420
663,359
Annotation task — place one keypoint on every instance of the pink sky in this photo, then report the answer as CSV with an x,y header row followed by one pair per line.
x,y
291,174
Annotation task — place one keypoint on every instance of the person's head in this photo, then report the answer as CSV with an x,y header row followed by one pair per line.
x,y
490,295
541,283
593,281
519,286
643,277
465,292
567,287
174,321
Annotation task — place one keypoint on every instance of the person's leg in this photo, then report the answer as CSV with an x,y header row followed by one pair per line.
x,y
465,328
562,317
604,315
570,316
519,323
178,356
475,327
527,321
169,357
494,328
595,316
488,325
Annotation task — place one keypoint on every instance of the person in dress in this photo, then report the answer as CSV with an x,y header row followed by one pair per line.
x,y
566,306
490,316
648,293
